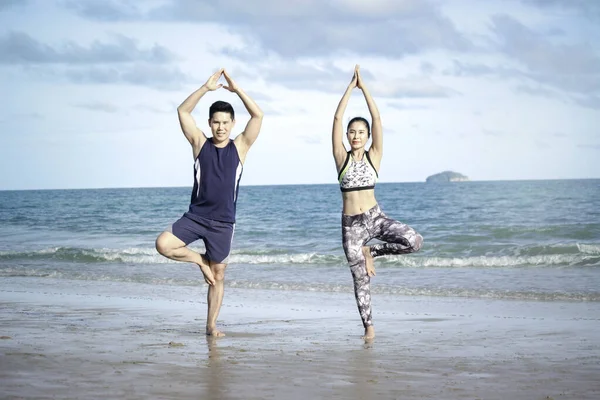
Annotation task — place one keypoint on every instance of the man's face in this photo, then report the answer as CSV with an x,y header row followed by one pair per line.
x,y
221,125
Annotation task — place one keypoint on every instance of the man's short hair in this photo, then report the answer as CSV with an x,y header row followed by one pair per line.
x,y
221,106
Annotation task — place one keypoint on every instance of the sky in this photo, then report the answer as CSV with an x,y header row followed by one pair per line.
x,y
496,90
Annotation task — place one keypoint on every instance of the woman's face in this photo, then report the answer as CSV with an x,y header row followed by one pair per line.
x,y
358,135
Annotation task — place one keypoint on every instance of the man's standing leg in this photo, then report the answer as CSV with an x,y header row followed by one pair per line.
x,y
215,299
218,246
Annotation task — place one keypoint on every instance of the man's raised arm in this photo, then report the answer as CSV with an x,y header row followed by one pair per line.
x,y
188,125
246,138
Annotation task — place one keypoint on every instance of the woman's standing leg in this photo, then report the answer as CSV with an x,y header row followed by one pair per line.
x,y
354,237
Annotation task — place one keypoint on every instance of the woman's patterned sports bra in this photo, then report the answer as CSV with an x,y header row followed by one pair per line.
x,y
357,175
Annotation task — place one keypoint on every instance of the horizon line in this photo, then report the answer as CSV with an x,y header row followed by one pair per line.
x,y
301,184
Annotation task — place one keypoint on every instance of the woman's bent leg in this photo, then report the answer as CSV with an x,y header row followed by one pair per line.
x,y
399,237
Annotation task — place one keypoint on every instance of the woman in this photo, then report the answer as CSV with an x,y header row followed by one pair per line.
x,y
362,219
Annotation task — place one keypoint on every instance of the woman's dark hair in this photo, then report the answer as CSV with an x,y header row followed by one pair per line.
x,y
221,106
360,119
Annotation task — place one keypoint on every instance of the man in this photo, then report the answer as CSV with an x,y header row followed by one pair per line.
x,y
218,164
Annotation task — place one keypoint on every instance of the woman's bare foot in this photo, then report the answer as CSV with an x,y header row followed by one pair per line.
x,y
369,333
214,332
206,271
369,260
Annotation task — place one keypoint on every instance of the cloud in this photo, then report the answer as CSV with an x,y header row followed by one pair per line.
x,y
154,76
99,106
6,4
258,96
393,132
403,106
167,78
587,8
556,31
589,146
121,60
542,145
311,139
328,78
26,116
20,48
302,75
413,87
110,108
587,101
592,102
494,133
464,69
306,28
568,72
538,91
105,10
427,67
572,68
154,109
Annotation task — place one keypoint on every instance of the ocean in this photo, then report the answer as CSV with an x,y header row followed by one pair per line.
x,y
521,240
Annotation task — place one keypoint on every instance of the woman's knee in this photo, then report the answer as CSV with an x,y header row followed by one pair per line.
x,y
417,242
354,253
359,273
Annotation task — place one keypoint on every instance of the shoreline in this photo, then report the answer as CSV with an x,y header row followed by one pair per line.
x,y
122,341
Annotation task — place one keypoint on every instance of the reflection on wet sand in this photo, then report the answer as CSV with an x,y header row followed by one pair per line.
x,y
217,373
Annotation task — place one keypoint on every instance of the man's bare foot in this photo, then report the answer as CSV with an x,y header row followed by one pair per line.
x,y
206,271
369,333
369,260
214,332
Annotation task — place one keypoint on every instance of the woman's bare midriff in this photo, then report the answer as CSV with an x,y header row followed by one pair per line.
x,y
358,202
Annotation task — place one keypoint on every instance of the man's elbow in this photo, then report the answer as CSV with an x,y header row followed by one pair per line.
x,y
181,110
258,115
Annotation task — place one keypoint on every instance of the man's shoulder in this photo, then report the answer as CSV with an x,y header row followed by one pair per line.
x,y
240,145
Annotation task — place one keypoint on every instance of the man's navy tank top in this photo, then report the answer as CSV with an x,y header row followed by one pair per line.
x,y
217,174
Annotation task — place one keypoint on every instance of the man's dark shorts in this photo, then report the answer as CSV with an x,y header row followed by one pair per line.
x,y
217,235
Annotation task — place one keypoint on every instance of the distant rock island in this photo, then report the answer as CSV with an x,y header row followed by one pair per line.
x,y
447,176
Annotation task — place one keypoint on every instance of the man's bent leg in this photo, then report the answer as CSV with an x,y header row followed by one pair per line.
x,y
174,248
215,299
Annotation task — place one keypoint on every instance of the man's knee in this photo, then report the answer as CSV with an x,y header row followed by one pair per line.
x,y
160,244
218,271
164,244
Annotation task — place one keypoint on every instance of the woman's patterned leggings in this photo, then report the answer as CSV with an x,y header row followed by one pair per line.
x,y
357,230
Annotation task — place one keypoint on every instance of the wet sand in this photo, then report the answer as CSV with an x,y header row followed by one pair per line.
x,y
127,342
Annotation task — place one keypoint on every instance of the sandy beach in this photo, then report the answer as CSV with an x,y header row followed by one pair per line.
x,y
106,341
